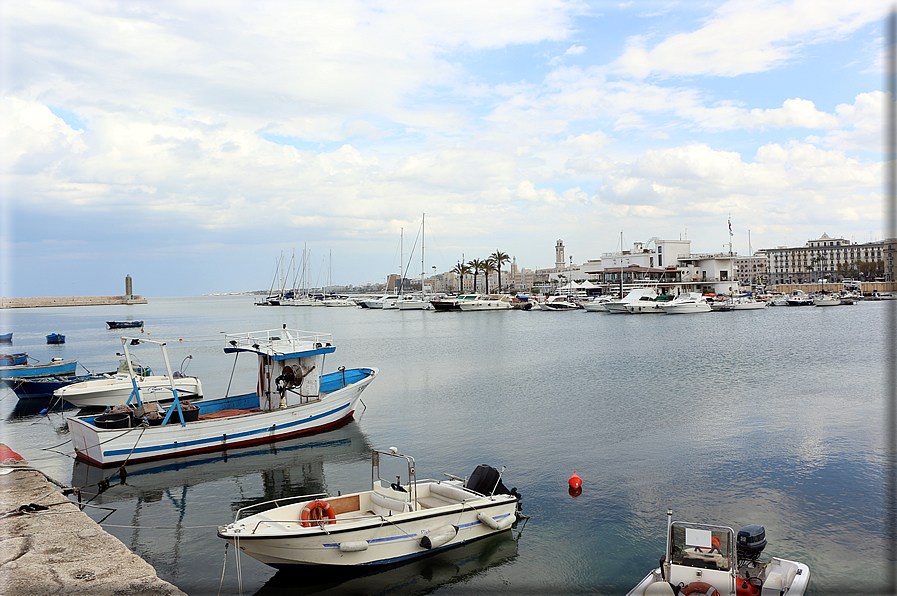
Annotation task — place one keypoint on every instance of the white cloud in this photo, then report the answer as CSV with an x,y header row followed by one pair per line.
x,y
749,36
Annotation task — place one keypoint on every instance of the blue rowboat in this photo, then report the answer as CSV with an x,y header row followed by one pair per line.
x,y
55,367
55,338
6,338
124,324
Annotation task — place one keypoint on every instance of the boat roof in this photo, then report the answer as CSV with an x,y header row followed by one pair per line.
x,y
280,344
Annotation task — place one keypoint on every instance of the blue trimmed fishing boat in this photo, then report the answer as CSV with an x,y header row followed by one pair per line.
x,y
292,398
6,338
55,338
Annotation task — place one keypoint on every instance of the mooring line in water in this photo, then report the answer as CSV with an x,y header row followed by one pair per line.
x,y
223,567
158,527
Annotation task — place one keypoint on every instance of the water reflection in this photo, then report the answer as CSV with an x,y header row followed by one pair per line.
x,y
286,468
421,576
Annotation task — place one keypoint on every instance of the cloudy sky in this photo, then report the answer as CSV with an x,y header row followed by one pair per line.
x,y
191,143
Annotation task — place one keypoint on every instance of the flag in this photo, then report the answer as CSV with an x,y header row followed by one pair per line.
x,y
730,227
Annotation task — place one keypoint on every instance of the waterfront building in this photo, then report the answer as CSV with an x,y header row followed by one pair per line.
x,y
831,259
753,269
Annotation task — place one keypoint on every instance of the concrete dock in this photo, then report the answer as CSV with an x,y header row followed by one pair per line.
x,y
70,301
49,546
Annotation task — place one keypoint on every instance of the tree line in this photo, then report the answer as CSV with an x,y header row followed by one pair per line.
x,y
486,266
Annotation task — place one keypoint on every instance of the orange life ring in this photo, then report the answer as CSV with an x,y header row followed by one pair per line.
x,y
313,513
699,588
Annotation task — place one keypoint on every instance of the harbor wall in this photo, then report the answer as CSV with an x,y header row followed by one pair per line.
x,y
49,546
70,301
868,287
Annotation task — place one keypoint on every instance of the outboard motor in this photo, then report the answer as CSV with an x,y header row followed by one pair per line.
x,y
486,480
751,541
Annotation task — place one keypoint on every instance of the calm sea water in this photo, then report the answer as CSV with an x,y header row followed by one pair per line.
x,y
772,417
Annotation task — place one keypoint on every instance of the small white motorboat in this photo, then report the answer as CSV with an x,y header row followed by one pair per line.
x,y
597,303
715,561
392,522
690,302
826,300
116,389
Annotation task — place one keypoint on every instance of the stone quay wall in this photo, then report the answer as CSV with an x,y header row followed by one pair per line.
x,y
70,301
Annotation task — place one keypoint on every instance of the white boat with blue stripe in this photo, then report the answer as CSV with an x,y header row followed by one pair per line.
x,y
292,398
392,522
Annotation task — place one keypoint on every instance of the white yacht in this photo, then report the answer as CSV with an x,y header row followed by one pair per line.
x,y
690,302
636,296
488,302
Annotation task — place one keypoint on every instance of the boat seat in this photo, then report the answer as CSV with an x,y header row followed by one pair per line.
x,y
434,501
660,589
450,492
383,505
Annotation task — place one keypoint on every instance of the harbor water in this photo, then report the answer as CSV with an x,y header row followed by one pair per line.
x,y
770,417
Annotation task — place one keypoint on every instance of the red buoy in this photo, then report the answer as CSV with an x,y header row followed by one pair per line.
x,y
575,481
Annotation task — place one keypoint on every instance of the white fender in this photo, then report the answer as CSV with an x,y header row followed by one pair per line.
x,y
353,547
439,537
495,524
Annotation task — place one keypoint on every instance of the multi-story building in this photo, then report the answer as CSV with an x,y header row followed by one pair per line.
x,y
831,259
752,270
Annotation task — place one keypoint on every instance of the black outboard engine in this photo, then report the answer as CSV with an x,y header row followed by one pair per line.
x,y
486,480
751,541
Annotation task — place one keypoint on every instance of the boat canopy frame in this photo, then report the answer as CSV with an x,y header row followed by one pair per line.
x,y
135,389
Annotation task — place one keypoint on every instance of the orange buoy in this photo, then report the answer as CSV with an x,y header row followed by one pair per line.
x,y
575,481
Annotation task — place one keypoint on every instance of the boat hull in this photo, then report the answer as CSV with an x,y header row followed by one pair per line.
x,y
42,387
49,369
117,390
106,447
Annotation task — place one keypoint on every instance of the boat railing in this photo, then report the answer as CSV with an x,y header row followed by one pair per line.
x,y
277,503
251,340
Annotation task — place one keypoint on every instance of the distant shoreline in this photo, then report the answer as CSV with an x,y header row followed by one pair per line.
x,y
70,301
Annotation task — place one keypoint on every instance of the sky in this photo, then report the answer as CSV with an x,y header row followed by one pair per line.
x,y
191,144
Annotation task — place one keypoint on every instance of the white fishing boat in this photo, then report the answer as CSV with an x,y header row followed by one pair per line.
x,y
392,522
558,303
644,298
487,302
714,561
689,302
115,389
293,397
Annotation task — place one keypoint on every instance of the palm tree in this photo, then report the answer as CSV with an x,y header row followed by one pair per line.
x,y
476,266
499,258
488,268
461,269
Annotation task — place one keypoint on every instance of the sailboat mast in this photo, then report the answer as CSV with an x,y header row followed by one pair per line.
x,y
423,216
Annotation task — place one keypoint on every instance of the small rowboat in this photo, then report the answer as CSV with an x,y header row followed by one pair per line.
x,y
55,338
124,324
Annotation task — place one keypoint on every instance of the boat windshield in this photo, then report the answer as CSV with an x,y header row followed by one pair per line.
x,y
698,545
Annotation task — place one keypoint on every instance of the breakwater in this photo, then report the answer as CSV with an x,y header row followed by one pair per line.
x,y
50,546
70,301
